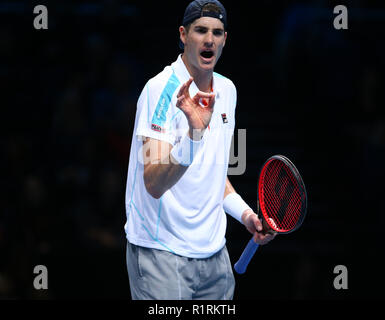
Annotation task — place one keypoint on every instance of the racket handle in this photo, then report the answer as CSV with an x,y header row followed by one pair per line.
x,y
247,254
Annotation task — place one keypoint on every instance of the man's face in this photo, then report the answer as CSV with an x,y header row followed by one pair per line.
x,y
203,42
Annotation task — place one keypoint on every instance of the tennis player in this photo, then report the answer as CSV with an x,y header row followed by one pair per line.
x,y
177,187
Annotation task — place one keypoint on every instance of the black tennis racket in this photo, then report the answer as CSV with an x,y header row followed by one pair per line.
x,y
282,201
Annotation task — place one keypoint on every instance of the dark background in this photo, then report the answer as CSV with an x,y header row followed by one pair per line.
x,y
305,90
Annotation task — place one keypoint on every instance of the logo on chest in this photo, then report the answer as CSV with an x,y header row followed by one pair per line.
x,y
224,118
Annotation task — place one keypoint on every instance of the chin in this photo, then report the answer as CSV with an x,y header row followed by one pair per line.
x,y
207,66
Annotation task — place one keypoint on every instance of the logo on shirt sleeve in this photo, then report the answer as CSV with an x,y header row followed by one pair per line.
x,y
157,128
224,118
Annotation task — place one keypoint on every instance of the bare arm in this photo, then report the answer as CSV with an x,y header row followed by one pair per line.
x,y
161,170
228,188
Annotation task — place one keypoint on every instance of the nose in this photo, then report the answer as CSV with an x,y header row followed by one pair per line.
x,y
209,40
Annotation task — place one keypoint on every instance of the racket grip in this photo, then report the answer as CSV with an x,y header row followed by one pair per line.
x,y
247,254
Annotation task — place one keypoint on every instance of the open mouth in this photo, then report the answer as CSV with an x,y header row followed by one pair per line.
x,y
207,54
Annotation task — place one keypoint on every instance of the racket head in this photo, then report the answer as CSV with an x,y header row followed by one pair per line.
x,y
282,196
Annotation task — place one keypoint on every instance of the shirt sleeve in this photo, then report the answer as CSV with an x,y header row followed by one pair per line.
x,y
157,111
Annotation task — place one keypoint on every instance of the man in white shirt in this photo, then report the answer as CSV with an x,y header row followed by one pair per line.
x,y
177,186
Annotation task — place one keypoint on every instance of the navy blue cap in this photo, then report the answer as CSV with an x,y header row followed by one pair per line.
x,y
195,11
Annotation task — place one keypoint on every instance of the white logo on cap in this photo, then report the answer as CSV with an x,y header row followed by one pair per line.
x,y
220,16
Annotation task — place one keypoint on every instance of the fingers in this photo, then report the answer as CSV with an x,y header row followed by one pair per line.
x,y
255,226
184,89
184,92
252,223
204,95
189,81
181,90
179,101
211,102
258,224
263,238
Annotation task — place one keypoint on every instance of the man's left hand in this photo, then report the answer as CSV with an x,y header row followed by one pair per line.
x,y
254,226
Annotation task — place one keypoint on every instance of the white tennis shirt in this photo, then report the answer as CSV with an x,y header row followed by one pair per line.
x,y
188,219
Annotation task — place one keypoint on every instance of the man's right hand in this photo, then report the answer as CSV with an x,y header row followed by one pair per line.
x,y
198,116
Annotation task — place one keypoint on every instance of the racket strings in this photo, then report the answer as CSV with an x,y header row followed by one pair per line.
x,y
275,204
282,196
290,205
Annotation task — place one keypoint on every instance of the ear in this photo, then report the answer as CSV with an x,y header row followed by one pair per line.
x,y
182,34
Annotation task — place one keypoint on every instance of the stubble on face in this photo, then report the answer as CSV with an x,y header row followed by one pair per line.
x,y
204,40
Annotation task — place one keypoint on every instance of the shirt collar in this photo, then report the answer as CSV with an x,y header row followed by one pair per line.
x,y
182,73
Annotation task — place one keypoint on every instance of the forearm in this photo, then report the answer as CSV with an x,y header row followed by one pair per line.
x,y
168,164
232,207
165,164
162,175
228,188
161,171
237,208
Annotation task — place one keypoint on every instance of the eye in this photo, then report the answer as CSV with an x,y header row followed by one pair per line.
x,y
201,30
218,33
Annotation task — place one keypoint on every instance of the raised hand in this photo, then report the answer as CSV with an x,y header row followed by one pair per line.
x,y
198,116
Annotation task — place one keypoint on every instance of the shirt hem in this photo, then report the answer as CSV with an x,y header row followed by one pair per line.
x,y
176,251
